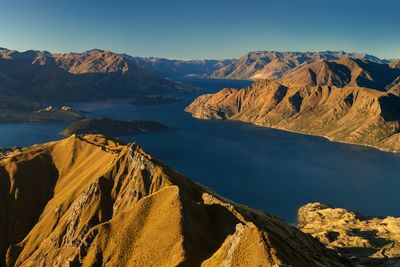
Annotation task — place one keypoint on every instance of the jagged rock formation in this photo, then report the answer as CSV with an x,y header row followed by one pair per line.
x,y
113,127
344,100
88,200
365,241
272,64
96,73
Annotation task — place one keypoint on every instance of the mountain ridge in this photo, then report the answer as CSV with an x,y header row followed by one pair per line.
x,y
274,64
333,99
79,76
98,201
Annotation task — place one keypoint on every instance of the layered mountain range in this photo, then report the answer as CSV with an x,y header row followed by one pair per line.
x,y
348,100
78,76
176,68
89,200
273,64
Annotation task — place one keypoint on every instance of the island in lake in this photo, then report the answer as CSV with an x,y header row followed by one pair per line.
x,y
111,127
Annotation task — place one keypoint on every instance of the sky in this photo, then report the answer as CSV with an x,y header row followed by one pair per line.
x,y
195,29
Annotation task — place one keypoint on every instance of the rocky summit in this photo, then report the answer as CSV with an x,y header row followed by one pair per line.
x,y
90,201
363,240
347,100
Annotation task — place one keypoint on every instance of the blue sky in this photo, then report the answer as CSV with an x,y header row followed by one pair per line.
x,y
202,28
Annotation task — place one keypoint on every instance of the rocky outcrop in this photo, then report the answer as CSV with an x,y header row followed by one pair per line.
x,y
364,241
89,200
343,100
395,63
111,127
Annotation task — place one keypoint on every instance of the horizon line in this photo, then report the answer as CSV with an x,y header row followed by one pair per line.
x,y
193,59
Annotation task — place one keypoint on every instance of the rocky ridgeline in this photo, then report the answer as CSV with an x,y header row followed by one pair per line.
x,y
346,100
99,202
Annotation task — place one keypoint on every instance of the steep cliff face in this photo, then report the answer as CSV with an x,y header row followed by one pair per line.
x,y
328,98
89,200
366,241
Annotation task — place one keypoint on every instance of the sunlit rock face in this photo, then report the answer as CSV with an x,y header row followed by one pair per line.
x,y
274,64
365,241
346,100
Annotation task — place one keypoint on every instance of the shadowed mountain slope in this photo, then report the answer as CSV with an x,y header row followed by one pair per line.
x,y
98,202
78,76
341,73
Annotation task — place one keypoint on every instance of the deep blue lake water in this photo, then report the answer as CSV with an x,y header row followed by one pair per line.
x,y
267,169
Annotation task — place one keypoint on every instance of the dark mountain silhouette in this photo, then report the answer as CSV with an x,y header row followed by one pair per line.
x,y
78,76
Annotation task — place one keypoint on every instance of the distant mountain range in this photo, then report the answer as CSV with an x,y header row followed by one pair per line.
x,y
92,74
29,78
347,99
273,64
176,68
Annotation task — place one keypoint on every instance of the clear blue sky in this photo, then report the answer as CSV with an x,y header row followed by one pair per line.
x,y
201,28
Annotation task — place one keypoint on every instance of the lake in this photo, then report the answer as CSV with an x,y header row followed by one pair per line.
x,y
267,169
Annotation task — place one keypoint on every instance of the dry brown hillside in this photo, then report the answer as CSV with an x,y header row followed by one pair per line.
x,y
91,201
344,100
